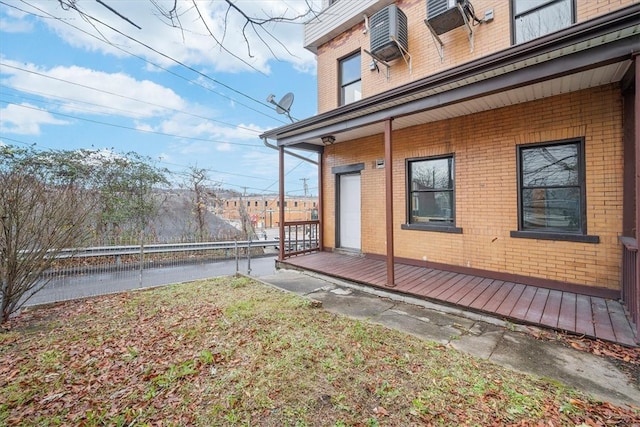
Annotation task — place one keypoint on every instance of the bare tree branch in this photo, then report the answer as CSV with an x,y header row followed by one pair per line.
x,y
195,4
119,14
71,4
257,25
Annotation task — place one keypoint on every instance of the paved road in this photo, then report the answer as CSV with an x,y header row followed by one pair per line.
x,y
72,287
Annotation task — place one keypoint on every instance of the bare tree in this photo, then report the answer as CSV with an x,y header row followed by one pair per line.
x,y
204,197
124,184
57,200
171,12
42,211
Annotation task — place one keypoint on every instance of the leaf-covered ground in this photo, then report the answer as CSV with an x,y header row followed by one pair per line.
x,y
232,351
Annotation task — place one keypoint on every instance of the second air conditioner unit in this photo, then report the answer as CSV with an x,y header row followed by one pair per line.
x,y
389,33
444,15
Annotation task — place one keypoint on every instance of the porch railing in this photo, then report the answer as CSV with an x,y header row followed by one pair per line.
x,y
300,237
630,284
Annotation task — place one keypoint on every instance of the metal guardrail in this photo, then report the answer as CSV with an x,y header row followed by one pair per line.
x,y
158,248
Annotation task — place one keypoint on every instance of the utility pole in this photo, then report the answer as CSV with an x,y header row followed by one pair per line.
x,y
306,187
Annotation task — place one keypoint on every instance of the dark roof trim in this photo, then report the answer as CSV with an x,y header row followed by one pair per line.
x,y
599,26
602,55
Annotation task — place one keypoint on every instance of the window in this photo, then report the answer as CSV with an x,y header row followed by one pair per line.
x,y
551,191
535,18
350,80
431,194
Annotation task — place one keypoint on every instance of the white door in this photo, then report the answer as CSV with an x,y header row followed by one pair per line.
x,y
349,213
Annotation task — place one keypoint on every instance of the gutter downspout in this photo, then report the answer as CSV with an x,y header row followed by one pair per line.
x,y
291,153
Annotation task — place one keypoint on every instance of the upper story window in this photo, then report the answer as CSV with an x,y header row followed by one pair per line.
x,y
535,18
350,79
431,194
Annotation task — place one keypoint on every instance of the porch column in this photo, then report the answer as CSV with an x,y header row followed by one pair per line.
x,y
281,214
636,126
320,204
388,183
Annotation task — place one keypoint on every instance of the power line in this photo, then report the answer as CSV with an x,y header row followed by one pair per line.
x,y
20,89
164,55
103,40
193,138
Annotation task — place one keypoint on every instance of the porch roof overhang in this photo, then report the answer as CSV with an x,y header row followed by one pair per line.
x,y
588,54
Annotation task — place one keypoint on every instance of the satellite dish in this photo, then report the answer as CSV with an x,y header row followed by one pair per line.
x,y
285,104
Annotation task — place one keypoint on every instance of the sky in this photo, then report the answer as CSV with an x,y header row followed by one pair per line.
x,y
187,92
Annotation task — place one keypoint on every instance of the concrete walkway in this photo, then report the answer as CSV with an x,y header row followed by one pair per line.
x,y
481,336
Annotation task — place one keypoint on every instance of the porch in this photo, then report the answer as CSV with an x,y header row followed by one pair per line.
x,y
579,314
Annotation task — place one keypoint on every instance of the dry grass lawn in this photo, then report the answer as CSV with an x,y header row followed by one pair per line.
x,y
232,351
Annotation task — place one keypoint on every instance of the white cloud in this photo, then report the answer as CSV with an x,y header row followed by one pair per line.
x,y
225,146
15,21
188,39
198,126
91,91
26,119
186,148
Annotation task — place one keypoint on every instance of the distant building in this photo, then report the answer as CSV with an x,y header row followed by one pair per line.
x,y
264,211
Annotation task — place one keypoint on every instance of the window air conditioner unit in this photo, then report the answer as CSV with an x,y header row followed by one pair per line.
x,y
388,26
444,15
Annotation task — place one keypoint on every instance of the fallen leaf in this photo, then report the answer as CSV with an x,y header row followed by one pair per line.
x,y
379,410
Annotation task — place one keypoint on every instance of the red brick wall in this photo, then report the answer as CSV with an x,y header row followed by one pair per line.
x,y
488,38
484,145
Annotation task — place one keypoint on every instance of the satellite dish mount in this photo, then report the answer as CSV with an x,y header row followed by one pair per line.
x,y
284,106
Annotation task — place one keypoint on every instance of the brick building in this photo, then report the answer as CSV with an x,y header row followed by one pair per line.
x,y
264,211
484,136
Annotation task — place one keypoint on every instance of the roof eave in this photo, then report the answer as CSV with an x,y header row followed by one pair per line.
x,y
605,24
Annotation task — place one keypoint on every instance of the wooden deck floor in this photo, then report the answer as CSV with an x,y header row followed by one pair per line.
x,y
575,313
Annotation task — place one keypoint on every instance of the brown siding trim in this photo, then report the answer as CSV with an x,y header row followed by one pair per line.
x,y
508,277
